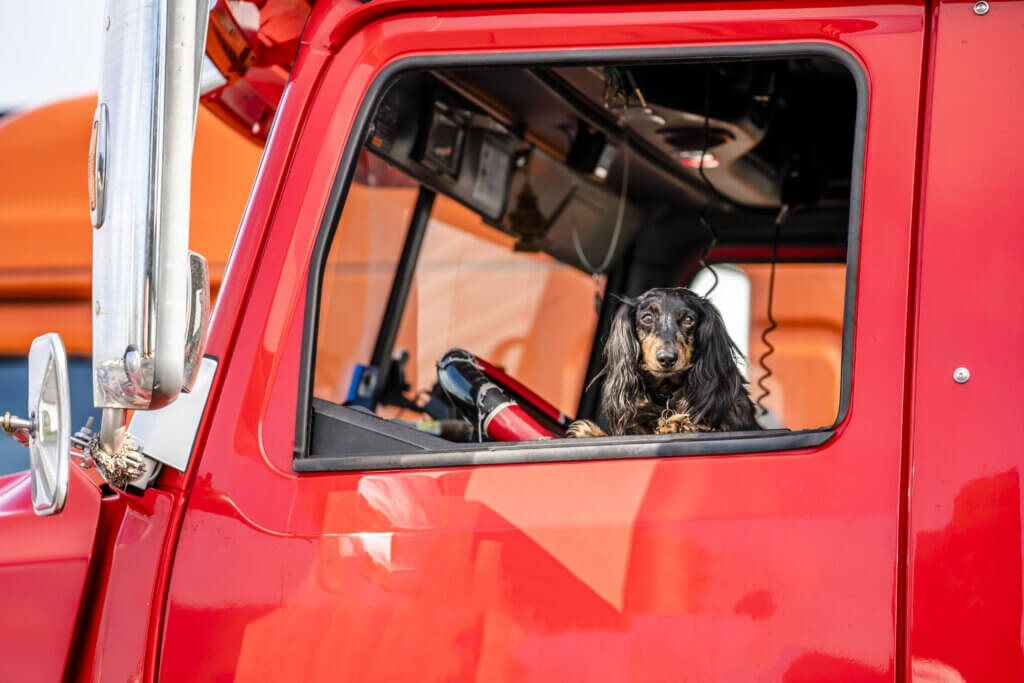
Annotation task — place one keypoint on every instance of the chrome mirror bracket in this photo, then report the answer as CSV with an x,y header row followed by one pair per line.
x,y
114,452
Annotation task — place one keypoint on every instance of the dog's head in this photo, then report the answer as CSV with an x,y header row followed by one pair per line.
x,y
664,339
665,325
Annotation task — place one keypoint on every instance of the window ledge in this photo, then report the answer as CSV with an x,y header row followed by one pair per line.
x,y
573,450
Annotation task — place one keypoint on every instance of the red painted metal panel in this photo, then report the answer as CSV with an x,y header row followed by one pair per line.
x,y
116,636
965,564
43,566
779,566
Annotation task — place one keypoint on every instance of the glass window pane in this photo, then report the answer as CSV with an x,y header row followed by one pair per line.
x,y
360,268
524,312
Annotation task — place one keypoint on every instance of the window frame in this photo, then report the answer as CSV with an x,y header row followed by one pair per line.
x,y
571,450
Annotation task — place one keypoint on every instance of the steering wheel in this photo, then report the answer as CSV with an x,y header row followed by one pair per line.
x,y
500,407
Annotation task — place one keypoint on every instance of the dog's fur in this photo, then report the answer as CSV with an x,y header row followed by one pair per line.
x,y
670,367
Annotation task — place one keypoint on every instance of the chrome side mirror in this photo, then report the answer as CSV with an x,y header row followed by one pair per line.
x,y
140,183
48,427
49,411
198,317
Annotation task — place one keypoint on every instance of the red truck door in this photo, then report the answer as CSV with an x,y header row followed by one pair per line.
x,y
965,537
753,566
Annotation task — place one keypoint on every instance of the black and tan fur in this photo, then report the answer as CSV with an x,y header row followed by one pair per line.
x,y
670,367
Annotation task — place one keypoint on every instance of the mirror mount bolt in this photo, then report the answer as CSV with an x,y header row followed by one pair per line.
x,y
16,427
83,436
83,439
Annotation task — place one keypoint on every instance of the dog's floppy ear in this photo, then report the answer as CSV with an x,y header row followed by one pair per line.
x,y
622,387
714,378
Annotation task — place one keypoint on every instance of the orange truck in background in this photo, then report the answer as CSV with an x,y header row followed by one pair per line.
x,y
47,253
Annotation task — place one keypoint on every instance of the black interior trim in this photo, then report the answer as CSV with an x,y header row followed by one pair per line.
x,y
601,120
853,237
403,281
567,450
365,431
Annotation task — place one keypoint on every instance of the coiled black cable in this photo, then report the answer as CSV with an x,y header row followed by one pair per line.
x,y
772,325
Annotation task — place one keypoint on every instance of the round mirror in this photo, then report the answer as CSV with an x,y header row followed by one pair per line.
x,y
49,411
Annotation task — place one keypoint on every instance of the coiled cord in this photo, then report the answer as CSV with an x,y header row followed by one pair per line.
x,y
772,325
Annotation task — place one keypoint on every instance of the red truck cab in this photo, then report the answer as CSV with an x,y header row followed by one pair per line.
x,y
322,511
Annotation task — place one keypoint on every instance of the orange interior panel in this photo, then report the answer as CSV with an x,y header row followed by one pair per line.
x,y
806,366
527,313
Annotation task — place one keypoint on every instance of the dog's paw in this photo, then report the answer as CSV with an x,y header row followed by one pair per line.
x,y
581,429
679,423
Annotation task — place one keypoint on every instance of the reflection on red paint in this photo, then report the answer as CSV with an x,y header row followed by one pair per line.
x,y
957,567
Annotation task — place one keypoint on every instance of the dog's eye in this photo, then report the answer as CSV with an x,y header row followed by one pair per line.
x,y
647,319
688,320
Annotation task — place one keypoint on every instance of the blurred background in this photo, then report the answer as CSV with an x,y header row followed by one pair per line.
x,y
50,54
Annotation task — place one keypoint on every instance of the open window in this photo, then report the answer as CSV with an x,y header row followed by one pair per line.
x,y
494,215
794,366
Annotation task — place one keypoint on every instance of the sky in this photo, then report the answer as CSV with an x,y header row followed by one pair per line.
x,y
48,51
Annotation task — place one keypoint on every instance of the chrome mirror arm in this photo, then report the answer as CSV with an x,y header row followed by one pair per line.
x,y
113,451
117,454
20,429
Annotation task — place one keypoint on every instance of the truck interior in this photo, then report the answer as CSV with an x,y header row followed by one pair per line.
x,y
503,210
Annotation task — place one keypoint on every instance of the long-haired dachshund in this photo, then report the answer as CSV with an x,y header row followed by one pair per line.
x,y
670,367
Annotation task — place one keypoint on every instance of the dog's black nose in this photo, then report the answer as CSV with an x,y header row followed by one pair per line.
x,y
666,358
